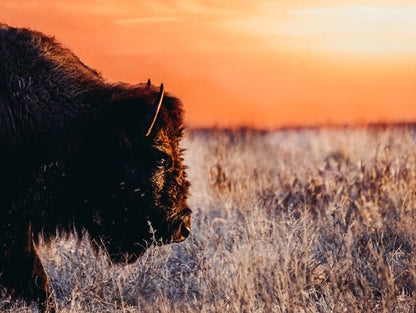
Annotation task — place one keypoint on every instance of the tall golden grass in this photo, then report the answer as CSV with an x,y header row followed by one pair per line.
x,y
320,220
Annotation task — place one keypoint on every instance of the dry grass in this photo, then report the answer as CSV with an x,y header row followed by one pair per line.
x,y
292,221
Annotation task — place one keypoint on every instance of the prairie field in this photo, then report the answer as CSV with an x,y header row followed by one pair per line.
x,y
312,220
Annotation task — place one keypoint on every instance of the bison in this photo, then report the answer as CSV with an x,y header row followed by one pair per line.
x,y
81,155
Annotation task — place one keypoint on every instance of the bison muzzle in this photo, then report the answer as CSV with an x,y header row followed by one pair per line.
x,y
79,154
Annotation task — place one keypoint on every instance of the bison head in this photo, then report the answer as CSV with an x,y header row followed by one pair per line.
x,y
137,165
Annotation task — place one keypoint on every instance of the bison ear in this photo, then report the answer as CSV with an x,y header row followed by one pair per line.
x,y
151,116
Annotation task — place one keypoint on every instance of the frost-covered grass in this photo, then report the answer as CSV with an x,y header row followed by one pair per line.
x,y
317,220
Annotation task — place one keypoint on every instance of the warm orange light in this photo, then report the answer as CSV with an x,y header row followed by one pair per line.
x,y
262,63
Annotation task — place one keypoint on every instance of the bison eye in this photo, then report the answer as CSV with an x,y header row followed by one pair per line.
x,y
161,163
165,162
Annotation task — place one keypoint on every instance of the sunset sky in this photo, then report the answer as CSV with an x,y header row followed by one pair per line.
x,y
242,62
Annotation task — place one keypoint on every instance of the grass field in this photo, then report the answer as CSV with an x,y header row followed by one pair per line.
x,y
319,220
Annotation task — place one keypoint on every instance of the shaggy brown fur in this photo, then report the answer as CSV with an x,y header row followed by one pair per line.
x,y
74,158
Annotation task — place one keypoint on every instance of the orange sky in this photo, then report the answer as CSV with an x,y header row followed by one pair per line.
x,y
241,62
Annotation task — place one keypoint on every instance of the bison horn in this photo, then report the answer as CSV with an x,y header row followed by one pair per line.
x,y
155,111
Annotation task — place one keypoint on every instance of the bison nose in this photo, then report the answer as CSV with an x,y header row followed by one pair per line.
x,y
185,230
182,233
